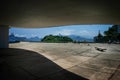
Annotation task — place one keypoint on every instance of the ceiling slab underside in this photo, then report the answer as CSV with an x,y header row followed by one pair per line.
x,y
49,13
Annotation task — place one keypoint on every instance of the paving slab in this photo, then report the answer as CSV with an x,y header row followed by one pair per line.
x,y
44,69
83,71
100,76
65,75
90,66
64,63
60,61
14,73
116,76
104,62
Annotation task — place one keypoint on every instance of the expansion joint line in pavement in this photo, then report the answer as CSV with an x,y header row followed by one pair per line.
x,y
28,72
114,72
78,64
50,74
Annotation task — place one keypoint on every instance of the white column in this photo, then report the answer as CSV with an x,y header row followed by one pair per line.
x,y
4,31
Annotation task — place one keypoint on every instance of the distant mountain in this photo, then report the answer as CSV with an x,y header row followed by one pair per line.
x,y
34,39
13,39
79,38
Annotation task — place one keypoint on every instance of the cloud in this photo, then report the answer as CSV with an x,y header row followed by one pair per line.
x,y
33,35
64,32
20,35
86,33
82,33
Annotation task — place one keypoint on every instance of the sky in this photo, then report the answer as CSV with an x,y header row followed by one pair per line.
x,y
86,31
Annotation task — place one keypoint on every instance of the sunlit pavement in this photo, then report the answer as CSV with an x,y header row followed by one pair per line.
x,y
60,61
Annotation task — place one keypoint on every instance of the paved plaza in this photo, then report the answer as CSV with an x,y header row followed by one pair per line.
x,y
60,61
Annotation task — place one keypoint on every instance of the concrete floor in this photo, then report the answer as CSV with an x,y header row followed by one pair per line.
x,y
59,61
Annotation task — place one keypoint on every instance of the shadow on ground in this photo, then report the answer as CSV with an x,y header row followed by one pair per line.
x,y
19,64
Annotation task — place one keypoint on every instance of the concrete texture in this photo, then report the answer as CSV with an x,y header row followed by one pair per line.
x,y
4,36
59,61
49,13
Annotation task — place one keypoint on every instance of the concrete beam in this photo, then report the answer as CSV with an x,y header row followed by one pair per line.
x,y
4,31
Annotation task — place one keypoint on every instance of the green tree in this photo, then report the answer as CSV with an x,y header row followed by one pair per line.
x,y
56,39
112,33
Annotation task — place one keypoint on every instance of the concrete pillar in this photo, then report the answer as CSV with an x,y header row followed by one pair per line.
x,y
4,31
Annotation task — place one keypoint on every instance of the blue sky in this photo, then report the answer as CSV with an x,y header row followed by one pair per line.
x,y
87,31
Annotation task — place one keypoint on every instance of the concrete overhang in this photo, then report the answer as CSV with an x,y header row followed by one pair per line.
x,y
49,13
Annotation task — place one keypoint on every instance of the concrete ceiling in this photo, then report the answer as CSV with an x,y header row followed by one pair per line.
x,y
47,13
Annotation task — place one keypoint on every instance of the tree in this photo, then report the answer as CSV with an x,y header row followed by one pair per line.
x,y
98,38
56,39
112,33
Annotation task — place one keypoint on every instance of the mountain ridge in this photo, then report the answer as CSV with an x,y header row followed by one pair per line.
x,y
79,38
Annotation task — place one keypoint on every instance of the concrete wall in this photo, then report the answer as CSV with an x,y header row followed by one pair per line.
x,y
4,31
